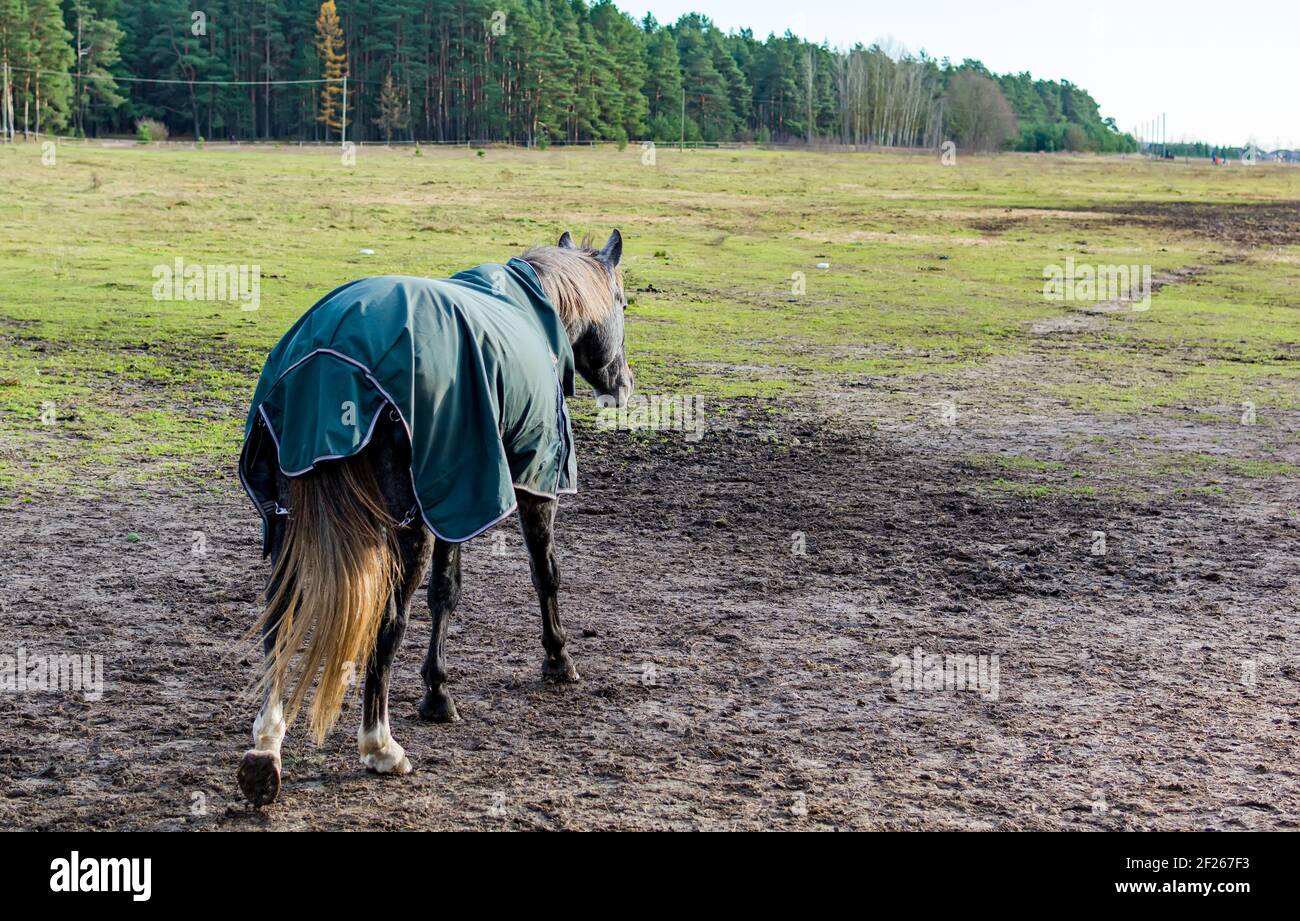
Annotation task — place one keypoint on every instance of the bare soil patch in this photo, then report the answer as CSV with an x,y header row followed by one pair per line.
x,y
729,682
1249,225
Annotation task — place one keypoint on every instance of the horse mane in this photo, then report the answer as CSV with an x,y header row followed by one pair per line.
x,y
576,281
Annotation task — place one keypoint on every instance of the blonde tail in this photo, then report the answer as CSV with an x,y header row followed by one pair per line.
x,y
337,568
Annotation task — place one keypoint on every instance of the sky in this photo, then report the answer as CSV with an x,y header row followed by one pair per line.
x,y
1219,71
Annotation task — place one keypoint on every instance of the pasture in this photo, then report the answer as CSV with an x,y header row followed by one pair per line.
x,y
910,448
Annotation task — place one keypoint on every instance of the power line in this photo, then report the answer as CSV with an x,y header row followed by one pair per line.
x,y
177,82
117,79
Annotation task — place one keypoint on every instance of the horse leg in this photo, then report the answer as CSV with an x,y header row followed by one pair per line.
x,y
537,520
259,771
444,593
379,751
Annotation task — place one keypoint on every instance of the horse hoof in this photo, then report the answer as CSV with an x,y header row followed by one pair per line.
x,y
438,707
379,764
560,671
259,777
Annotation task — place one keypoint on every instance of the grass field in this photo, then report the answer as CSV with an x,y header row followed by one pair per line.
x,y
911,447
935,277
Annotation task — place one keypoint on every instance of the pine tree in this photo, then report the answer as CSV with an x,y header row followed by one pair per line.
x,y
392,109
517,70
164,46
554,72
334,64
706,88
663,85
598,104
737,94
46,88
95,44
776,88
625,44
573,101
15,48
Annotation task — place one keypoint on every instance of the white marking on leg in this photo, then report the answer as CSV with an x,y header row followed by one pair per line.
x,y
269,727
380,751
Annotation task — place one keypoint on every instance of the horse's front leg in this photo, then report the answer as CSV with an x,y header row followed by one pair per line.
x,y
379,750
537,519
444,593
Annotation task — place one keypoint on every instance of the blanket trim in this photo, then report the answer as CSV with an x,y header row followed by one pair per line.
x,y
265,420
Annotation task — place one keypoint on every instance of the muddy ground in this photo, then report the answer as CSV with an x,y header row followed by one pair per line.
x,y
729,681
736,606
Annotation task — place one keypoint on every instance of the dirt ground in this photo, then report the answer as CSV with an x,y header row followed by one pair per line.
x,y
728,680
736,607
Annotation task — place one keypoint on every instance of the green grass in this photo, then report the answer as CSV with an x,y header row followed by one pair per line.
x,y
1035,490
1193,463
1013,462
931,278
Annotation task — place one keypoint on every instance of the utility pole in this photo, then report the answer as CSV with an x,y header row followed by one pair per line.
x,y
6,128
343,134
811,66
682,145
9,101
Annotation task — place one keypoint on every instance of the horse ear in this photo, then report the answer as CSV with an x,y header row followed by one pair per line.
x,y
566,241
612,251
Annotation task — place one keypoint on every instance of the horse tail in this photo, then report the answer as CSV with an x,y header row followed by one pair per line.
x,y
329,588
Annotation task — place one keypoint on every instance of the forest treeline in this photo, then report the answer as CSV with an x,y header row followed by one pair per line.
x,y
530,72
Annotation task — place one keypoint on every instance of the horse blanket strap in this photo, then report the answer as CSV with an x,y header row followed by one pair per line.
x,y
476,367
271,507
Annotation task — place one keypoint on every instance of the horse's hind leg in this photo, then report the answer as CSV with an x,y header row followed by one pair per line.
x,y
379,750
259,771
391,454
444,593
537,520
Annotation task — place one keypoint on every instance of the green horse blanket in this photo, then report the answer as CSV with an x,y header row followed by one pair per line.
x,y
477,366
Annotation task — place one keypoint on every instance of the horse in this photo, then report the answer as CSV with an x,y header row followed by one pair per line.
x,y
351,539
